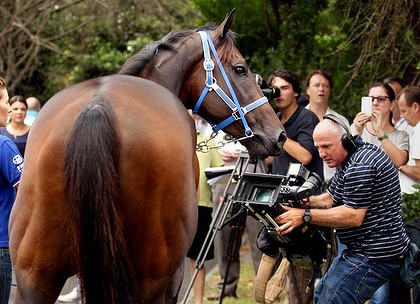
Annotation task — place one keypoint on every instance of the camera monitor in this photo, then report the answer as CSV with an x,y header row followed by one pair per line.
x,y
259,188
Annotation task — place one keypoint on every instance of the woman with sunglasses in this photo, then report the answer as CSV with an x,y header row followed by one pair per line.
x,y
378,128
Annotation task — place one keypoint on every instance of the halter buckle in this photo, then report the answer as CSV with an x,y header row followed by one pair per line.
x,y
208,65
235,114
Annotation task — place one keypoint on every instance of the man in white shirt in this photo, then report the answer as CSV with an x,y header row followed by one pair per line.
x,y
399,122
319,86
409,104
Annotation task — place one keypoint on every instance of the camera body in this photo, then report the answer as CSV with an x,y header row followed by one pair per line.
x,y
264,194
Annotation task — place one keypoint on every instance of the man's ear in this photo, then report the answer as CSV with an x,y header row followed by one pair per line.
x,y
416,107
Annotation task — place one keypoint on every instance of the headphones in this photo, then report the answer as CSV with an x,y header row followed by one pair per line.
x,y
347,140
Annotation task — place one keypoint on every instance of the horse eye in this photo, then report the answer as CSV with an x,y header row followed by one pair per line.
x,y
240,70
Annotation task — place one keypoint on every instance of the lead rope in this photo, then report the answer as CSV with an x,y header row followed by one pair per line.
x,y
204,147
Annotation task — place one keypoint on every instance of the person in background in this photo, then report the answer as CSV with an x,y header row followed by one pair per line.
x,y
299,147
16,129
363,202
409,103
380,131
34,106
11,166
378,128
227,256
205,209
399,122
319,86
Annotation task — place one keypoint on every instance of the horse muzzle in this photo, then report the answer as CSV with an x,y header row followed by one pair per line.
x,y
281,140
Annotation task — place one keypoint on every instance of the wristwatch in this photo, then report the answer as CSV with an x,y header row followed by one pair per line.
x,y
307,217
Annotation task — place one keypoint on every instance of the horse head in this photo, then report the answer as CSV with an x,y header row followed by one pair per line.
x,y
233,100
207,72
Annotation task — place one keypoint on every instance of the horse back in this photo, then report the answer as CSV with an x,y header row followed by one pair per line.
x,y
154,183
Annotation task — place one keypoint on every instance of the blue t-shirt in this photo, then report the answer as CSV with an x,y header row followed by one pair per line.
x,y
369,180
11,166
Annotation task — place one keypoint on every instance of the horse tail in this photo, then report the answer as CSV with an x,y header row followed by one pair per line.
x,y
92,185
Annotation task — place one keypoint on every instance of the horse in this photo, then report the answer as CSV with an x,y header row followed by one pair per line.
x,y
108,191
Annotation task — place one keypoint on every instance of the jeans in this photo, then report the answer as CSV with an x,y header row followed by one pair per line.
x,y
353,278
5,275
381,296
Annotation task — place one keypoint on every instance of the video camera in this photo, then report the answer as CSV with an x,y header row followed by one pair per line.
x,y
264,194
269,91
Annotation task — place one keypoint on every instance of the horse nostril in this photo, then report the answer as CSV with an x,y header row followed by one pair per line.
x,y
282,138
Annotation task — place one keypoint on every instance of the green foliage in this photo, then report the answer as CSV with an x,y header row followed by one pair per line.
x,y
295,35
108,36
356,42
411,206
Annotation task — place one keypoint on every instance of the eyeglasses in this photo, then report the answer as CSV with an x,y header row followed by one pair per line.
x,y
378,98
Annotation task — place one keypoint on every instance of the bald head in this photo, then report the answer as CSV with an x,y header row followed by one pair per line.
x,y
33,103
330,128
327,138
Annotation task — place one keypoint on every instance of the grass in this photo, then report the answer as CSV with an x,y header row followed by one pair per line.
x,y
245,290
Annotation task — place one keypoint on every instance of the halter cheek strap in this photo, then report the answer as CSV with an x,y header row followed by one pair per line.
x,y
238,112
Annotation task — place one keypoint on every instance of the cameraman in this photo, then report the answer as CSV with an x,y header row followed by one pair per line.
x,y
363,202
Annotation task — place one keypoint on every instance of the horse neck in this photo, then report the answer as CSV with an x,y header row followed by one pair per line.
x,y
173,70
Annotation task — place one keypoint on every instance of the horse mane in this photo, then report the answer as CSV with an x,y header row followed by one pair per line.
x,y
134,65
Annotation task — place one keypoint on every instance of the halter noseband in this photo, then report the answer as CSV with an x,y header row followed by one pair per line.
x,y
238,112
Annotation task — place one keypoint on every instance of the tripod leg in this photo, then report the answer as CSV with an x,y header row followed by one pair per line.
x,y
232,255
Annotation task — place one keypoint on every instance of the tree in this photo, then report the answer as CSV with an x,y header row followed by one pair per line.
x,y
24,35
46,45
358,42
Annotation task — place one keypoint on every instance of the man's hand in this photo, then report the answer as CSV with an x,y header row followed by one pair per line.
x,y
290,219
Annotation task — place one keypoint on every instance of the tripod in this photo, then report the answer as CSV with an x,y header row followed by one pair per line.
x,y
219,221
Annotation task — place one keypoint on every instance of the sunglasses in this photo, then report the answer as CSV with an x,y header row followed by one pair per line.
x,y
378,98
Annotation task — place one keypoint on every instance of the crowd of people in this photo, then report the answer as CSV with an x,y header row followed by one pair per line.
x,y
366,166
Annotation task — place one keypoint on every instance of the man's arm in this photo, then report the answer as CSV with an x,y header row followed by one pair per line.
x,y
411,171
340,216
322,201
294,149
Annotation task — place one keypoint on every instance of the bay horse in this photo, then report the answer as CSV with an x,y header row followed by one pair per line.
x,y
109,186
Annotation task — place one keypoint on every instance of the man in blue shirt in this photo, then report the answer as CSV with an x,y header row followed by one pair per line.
x,y
11,165
299,147
363,202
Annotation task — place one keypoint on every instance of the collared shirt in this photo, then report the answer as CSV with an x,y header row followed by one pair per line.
x,y
407,182
369,180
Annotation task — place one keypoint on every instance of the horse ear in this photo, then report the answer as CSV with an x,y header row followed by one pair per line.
x,y
226,25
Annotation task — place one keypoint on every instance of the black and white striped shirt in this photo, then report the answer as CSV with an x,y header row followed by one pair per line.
x,y
369,180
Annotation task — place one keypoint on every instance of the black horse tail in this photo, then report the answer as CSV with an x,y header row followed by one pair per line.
x,y
92,170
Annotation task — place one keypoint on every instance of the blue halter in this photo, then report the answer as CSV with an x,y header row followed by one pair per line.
x,y
238,112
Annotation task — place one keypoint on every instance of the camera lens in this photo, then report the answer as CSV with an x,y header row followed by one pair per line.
x,y
263,195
